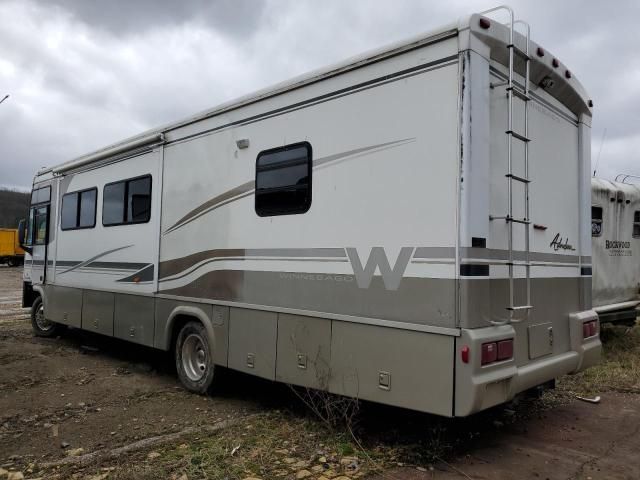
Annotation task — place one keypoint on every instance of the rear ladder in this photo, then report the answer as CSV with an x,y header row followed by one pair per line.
x,y
514,92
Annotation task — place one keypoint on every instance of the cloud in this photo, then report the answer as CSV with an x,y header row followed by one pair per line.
x,y
83,74
236,18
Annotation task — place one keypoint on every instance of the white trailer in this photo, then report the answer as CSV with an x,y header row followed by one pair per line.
x,y
615,231
410,227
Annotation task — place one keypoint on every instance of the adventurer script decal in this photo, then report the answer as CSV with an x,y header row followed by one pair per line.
x,y
559,243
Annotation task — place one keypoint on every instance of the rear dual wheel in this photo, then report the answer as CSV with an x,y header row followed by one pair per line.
x,y
194,358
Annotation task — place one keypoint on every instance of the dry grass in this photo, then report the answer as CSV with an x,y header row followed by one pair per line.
x,y
270,445
619,370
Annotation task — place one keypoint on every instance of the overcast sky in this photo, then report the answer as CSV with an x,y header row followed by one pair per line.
x,y
85,73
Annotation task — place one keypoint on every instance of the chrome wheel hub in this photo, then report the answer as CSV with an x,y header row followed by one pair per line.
x,y
41,321
194,357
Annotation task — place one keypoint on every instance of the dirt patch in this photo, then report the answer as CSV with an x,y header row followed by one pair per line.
x,y
57,392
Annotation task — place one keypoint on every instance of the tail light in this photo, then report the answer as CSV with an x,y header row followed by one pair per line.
x,y
497,351
484,23
505,349
590,329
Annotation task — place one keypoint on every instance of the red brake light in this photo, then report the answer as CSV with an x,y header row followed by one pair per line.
x,y
589,329
484,23
505,349
540,52
555,63
489,353
567,74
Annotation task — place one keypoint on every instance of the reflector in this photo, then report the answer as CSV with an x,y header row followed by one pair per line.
x,y
464,354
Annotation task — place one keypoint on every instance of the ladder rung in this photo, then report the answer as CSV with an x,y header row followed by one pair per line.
x,y
520,307
517,178
499,84
509,219
517,135
517,220
519,52
520,94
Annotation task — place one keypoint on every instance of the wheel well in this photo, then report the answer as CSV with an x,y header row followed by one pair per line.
x,y
29,295
180,321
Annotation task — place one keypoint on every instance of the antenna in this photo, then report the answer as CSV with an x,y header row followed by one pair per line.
x,y
4,98
595,168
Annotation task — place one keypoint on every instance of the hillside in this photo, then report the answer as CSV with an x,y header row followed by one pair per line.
x,y
13,207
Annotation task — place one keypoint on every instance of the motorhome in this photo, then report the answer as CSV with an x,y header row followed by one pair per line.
x,y
615,232
409,227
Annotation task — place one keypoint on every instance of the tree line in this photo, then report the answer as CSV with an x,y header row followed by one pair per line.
x,y
14,206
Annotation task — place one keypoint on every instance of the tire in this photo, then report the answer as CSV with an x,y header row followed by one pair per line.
x,y
12,262
194,358
41,326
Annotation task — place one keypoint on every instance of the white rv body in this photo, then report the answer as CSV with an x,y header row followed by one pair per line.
x,y
395,269
615,210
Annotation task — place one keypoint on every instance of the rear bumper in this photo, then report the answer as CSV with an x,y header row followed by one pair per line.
x,y
479,387
626,312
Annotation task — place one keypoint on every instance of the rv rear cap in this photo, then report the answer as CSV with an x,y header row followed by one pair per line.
x,y
546,71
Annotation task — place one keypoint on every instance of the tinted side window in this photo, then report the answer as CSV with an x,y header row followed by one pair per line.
x,y
113,204
41,219
596,221
87,217
636,224
41,195
79,209
283,180
127,201
139,200
69,214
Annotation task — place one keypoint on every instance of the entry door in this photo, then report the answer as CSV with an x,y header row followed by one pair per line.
x,y
39,215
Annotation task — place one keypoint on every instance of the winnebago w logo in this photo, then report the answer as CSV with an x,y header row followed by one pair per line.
x,y
378,260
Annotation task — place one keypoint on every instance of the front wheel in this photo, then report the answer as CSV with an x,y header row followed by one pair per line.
x,y
194,358
41,326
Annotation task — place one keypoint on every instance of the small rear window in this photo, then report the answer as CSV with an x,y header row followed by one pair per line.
x,y
636,224
596,221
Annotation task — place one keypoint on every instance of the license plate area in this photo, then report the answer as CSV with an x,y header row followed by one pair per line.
x,y
540,340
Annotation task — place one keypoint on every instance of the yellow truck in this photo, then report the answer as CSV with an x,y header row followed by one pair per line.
x,y
10,251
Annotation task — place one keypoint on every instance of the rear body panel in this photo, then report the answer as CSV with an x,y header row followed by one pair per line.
x,y
559,247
